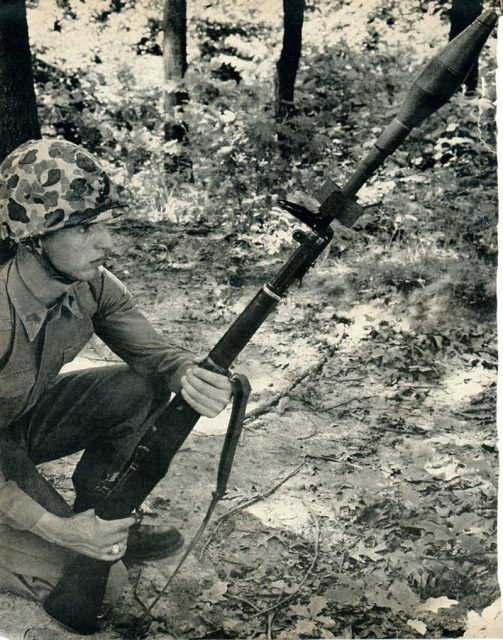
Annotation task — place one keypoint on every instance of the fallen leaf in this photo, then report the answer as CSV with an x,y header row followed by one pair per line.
x,y
434,604
215,592
441,532
489,624
469,543
418,626
380,598
232,624
280,585
404,595
362,551
317,604
414,473
446,472
343,595
300,610
304,627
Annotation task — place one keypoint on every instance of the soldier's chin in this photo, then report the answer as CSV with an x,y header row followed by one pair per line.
x,y
83,275
92,272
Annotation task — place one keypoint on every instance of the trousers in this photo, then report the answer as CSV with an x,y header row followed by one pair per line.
x,y
103,411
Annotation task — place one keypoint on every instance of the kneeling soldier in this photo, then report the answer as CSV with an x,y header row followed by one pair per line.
x,y
54,295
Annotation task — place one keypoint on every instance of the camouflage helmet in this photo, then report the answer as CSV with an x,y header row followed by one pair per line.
x,y
49,184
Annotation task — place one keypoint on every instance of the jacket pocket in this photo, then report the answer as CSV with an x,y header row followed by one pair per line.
x,y
16,382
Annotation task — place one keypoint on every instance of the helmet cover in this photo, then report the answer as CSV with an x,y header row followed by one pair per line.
x,y
49,184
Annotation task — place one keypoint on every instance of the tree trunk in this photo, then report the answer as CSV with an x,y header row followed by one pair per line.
x,y
175,66
18,107
463,13
288,63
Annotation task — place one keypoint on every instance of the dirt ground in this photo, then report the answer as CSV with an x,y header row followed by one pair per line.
x,y
356,506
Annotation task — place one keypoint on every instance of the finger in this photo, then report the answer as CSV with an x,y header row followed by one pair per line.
x,y
205,393
200,408
193,395
109,540
212,406
121,524
113,546
118,538
110,556
102,552
216,379
206,389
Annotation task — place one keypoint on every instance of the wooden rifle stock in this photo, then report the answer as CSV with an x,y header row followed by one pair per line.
x,y
77,598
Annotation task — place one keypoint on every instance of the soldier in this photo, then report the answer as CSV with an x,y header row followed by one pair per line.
x,y
54,295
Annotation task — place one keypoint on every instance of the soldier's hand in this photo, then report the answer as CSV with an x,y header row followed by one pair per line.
x,y
87,534
206,392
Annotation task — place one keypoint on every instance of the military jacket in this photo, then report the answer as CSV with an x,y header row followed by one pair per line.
x,y
44,323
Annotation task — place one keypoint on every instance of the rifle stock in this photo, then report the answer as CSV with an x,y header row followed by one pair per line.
x,y
77,598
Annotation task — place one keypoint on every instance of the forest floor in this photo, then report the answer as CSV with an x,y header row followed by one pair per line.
x,y
362,502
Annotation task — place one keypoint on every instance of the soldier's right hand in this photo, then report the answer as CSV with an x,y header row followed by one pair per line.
x,y
88,534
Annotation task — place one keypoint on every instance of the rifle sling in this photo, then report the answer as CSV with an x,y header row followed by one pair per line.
x,y
240,393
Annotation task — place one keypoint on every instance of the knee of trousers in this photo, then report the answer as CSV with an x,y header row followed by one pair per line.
x,y
132,394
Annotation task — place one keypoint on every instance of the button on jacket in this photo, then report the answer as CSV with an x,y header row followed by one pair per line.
x,y
44,323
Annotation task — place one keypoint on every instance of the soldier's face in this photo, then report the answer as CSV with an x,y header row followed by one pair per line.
x,y
78,252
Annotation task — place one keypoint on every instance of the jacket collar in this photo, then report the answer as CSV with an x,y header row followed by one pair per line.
x,y
34,292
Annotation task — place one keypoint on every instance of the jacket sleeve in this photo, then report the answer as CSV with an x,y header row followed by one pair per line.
x,y
17,509
128,333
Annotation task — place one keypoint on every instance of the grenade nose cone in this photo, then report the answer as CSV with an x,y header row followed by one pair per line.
x,y
488,19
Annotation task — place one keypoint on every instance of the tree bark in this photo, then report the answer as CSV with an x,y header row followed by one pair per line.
x,y
175,65
18,108
463,13
288,63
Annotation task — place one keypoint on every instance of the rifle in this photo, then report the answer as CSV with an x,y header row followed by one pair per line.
x,y
77,598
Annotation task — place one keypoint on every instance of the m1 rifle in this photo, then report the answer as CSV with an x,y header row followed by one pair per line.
x,y
77,598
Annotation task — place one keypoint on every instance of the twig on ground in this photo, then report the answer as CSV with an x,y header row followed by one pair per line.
x,y
398,432
270,617
483,414
239,564
313,456
341,564
246,503
306,575
313,432
250,604
344,402
462,556
264,408
342,460
413,385
135,591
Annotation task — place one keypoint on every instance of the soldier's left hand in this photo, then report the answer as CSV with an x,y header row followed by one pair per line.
x,y
206,392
